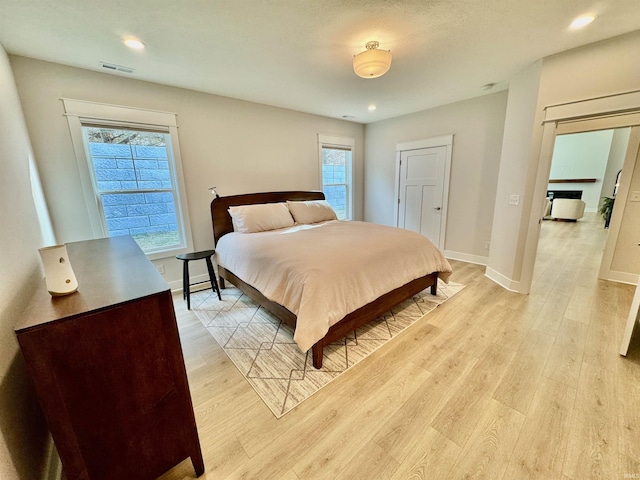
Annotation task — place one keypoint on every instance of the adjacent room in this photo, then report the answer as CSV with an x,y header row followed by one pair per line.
x,y
156,140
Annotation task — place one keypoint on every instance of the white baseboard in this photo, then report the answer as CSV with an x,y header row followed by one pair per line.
x,y
622,277
466,257
176,286
502,280
53,466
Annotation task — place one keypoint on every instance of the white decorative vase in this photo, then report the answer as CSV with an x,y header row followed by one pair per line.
x,y
58,273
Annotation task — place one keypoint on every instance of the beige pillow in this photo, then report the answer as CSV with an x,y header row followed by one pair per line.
x,y
311,211
260,217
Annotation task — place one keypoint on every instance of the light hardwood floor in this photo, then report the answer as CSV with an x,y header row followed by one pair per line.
x,y
492,384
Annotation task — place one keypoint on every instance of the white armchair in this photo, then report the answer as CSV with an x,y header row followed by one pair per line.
x,y
567,209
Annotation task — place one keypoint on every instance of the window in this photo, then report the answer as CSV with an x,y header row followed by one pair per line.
x,y
336,160
134,185
131,175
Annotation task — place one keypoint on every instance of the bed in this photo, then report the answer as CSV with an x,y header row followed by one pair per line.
x,y
314,303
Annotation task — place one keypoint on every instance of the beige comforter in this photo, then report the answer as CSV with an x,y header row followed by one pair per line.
x,y
325,271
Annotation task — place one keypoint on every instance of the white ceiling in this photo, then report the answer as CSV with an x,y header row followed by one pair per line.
x,y
297,54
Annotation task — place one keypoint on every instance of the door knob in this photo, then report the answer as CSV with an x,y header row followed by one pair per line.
x,y
436,208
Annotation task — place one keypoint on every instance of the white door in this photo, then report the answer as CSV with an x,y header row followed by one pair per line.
x,y
421,191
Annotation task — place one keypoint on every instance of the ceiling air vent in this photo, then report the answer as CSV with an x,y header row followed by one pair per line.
x,y
116,68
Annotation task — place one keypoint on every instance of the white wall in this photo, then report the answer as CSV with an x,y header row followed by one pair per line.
x,y
509,220
476,126
581,155
238,146
619,143
626,258
22,432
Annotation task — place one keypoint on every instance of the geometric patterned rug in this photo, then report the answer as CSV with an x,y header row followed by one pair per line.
x,y
263,350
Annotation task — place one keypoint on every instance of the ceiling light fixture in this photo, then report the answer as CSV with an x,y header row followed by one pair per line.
x,y
134,43
372,63
582,21
372,108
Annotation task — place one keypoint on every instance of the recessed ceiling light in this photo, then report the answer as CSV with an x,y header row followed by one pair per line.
x,y
582,21
372,108
133,43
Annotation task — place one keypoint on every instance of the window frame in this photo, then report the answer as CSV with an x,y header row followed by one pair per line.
x,y
81,113
338,143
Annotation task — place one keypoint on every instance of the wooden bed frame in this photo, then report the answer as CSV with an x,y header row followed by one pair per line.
x,y
222,225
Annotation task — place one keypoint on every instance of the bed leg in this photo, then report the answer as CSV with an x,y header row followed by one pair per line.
x,y
434,287
221,282
316,351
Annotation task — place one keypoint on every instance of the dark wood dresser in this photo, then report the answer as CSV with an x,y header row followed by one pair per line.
x,y
107,366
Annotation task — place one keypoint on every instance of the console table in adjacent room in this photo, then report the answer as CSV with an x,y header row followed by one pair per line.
x,y
107,367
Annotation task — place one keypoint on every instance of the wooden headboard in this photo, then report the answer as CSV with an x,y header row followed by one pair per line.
x,y
221,219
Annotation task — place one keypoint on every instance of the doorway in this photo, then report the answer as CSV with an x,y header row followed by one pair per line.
x,y
422,186
586,164
588,115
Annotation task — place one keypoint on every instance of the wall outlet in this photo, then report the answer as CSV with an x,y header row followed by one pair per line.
x,y
514,200
635,196
160,268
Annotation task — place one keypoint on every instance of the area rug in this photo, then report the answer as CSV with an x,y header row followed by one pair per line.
x,y
262,347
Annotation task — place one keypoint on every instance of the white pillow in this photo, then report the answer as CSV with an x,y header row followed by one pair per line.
x,y
260,217
311,211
